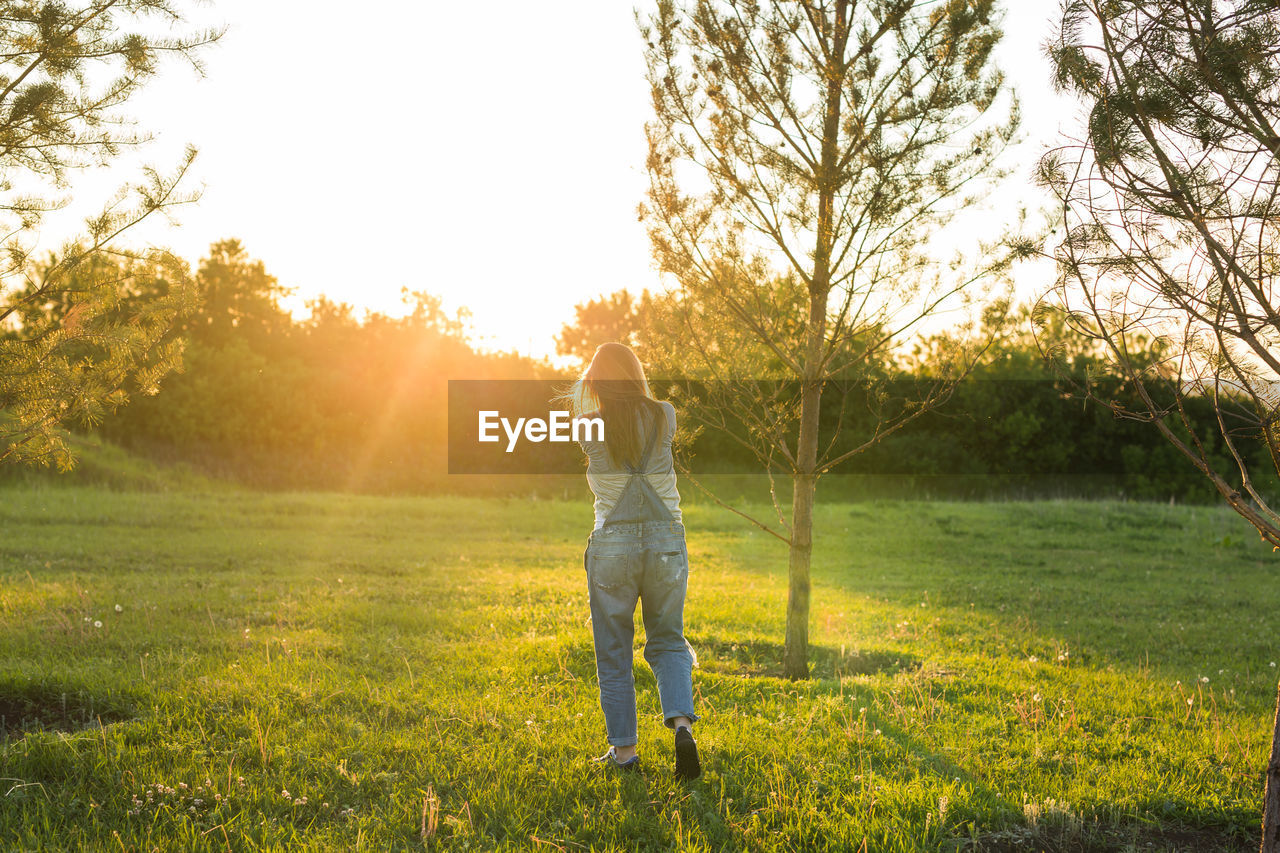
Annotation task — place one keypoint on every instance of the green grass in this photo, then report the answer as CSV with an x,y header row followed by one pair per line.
x,y
102,464
1056,675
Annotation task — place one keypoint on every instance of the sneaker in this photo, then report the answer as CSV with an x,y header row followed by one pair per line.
x,y
631,765
687,765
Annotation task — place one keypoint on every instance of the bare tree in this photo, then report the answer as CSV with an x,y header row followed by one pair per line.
x,y
801,158
1170,201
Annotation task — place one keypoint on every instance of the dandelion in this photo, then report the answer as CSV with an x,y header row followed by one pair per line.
x,y
119,609
1273,664
1191,700
877,731
1204,679
87,619
862,710
97,623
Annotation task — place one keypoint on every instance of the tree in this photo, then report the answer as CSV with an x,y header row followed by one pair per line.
x,y
1170,202
237,297
801,158
618,316
74,332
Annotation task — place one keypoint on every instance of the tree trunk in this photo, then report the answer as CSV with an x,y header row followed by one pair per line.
x,y
1271,800
795,659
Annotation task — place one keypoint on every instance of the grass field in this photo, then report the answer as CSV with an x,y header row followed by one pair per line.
x,y
320,672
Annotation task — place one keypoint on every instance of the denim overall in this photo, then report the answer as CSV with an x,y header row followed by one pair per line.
x,y
639,552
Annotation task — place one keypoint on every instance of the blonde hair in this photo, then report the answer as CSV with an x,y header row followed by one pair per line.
x,y
614,385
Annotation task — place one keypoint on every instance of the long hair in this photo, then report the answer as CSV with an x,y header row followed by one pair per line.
x,y
614,385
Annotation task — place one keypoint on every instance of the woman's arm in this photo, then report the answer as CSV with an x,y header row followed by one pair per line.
x,y
670,411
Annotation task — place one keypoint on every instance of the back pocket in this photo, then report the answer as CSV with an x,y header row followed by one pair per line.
x,y
607,571
672,565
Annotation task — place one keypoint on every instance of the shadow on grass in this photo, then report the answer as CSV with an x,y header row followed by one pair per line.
x,y
32,706
763,658
1081,837
756,658
1000,830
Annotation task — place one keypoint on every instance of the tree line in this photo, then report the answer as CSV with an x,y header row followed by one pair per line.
x,y
342,401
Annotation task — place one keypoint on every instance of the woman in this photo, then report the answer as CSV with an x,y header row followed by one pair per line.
x,y
637,550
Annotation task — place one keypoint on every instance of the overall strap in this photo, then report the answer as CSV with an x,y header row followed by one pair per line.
x,y
639,502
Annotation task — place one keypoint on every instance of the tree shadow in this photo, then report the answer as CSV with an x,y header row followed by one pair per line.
x,y
755,659
763,658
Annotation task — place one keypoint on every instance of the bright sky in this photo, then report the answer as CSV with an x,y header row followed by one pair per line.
x,y
489,153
